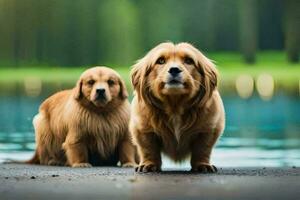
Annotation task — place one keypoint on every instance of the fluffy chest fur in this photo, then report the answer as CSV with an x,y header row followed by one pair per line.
x,y
102,131
176,124
176,138
177,132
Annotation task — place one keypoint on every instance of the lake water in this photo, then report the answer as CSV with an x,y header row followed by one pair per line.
x,y
258,132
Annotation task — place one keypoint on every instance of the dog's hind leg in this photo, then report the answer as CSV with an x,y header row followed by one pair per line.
x,y
47,149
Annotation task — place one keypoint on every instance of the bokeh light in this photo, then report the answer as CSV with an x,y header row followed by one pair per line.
x,y
244,86
265,86
33,86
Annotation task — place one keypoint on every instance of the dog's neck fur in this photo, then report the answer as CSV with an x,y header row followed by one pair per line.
x,y
177,111
175,105
108,108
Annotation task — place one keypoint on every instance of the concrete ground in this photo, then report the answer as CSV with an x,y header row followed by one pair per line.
x,y
18,181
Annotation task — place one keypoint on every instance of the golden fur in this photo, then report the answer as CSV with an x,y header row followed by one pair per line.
x,y
80,127
179,119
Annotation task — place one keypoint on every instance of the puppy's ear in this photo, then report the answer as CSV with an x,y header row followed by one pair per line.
x,y
77,91
123,91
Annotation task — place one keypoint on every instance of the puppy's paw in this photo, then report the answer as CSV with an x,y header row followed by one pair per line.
x,y
54,162
148,167
81,165
204,168
129,164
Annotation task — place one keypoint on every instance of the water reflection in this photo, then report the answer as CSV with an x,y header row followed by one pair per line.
x,y
258,132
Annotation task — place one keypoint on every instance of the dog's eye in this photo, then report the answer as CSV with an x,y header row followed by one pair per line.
x,y
161,61
91,82
111,82
188,60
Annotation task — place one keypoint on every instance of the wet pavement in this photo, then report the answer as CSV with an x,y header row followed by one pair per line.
x,y
19,181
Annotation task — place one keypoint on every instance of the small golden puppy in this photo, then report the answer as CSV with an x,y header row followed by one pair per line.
x,y
177,109
87,125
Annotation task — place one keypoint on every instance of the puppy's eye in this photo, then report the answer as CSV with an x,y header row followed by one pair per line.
x,y
111,82
188,60
91,82
161,61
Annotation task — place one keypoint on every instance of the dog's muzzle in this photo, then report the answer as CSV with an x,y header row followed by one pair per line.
x,y
100,94
174,79
174,71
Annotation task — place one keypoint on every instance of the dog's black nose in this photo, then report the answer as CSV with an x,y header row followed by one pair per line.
x,y
174,71
100,91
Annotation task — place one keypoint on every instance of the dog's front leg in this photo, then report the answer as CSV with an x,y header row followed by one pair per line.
x,y
127,153
202,147
76,151
149,152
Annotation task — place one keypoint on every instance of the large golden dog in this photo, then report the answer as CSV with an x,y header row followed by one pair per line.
x,y
176,109
87,125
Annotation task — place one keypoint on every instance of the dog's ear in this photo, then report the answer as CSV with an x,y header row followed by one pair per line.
x,y
77,91
123,91
209,76
135,76
209,73
139,73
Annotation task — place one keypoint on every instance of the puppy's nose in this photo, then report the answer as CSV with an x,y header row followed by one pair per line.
x,y
100,91
174,71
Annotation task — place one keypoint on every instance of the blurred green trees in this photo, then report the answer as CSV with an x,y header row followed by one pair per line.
x,y
248,15
292,29
117,32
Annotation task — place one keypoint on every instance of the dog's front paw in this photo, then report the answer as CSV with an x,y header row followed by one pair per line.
x,y
148,167
54,162
81,165
129,164
204,168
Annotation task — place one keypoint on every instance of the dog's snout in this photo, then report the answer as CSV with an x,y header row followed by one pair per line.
x,y
100,91
100,94
174,71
